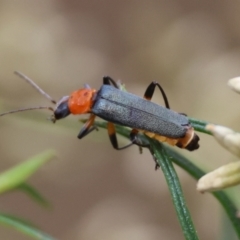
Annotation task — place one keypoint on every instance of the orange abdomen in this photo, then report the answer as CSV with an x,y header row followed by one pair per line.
x,y
189,141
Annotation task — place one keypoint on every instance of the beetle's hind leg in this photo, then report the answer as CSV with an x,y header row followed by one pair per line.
x,y
136,140
113,137
150,91
133,138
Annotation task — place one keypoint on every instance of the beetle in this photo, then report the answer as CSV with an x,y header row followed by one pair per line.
x,y
120,107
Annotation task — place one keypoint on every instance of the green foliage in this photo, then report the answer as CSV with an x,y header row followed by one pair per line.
x,y
23,226
164,156
14,179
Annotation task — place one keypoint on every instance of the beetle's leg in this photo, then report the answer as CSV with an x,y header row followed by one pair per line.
x,y
113,137
114,141
150,91
136,140
184,114
108,81
87,127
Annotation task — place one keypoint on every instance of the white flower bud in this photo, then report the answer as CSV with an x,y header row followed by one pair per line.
x,y
226,137
223,177
234,84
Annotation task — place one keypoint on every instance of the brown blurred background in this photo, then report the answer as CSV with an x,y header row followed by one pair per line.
x,y
191,47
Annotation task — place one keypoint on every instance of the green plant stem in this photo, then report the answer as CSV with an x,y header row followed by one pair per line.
x,y
34,194
175,189
174,186
193,170
23,226
221,196
199,125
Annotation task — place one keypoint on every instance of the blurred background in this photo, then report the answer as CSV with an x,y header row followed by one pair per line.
x,y
190,47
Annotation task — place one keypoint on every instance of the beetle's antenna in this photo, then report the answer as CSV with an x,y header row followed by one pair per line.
x,y
26,109
32,83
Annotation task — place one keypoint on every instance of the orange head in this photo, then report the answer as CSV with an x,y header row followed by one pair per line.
x,y
79,102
